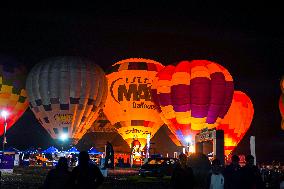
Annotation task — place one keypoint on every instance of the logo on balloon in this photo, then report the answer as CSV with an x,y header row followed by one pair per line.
x,y
64,118
137,131
134,89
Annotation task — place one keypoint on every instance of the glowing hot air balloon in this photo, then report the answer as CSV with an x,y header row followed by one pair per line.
x,y
102,124
237,121
66,94
281,102
129,105
193,95
13,97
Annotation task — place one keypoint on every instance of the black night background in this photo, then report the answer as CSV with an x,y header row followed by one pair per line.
x,y
247,41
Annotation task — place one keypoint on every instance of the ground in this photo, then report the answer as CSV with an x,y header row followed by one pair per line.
x,y
33,177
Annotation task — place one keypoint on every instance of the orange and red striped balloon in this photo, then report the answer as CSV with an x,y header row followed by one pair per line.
x,y
193,95
237,121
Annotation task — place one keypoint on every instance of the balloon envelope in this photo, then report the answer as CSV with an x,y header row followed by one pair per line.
x,y
102,124
66,94
237,121
13,97
281,102
193,95
129,105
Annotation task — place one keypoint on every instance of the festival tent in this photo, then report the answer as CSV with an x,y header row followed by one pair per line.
x,y
30,151
73,150
50,150
94,151
11,149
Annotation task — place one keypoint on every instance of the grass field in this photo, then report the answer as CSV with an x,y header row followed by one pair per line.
x,y
33,177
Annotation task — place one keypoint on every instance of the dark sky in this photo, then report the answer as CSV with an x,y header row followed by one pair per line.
x,y
246,39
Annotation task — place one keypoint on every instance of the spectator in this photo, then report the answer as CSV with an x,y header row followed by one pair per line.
x,y
182,176
232,174
109,158
58,177
251,177
86,175
215,179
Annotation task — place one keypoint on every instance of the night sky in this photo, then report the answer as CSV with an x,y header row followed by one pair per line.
x,y
245,39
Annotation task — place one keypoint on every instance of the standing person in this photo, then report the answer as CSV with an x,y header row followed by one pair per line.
x,y
251,177
109,159
182,176
216,179
86,175
232,174
59,177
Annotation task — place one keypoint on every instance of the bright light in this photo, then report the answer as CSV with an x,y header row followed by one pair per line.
x,y
64,136
191,149
4,113
188,139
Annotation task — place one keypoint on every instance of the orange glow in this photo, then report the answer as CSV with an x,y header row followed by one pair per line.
x,y
129,105
237,121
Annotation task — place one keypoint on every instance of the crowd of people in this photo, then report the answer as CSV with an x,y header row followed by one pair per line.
x,y
84,175
232,176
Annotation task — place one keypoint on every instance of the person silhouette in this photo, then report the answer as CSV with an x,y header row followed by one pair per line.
x,y
109,159
58,177
86,175
232,174
251,177
182,176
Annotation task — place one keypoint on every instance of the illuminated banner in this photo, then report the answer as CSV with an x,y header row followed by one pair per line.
x,y
206,135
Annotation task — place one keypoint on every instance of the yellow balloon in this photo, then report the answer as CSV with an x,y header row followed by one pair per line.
x,y
129,104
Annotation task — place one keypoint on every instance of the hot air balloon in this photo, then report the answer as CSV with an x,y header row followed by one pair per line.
x,y
237,121
281,102
13,97
66,94
102,124
192,96
129,105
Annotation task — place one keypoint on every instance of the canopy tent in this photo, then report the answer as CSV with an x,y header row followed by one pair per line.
x,y
50,150
94,151
30,151
12,150
73,150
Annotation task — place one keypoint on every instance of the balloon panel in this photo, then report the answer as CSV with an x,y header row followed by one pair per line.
x,y
129,105
102,124
65,95
13,97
